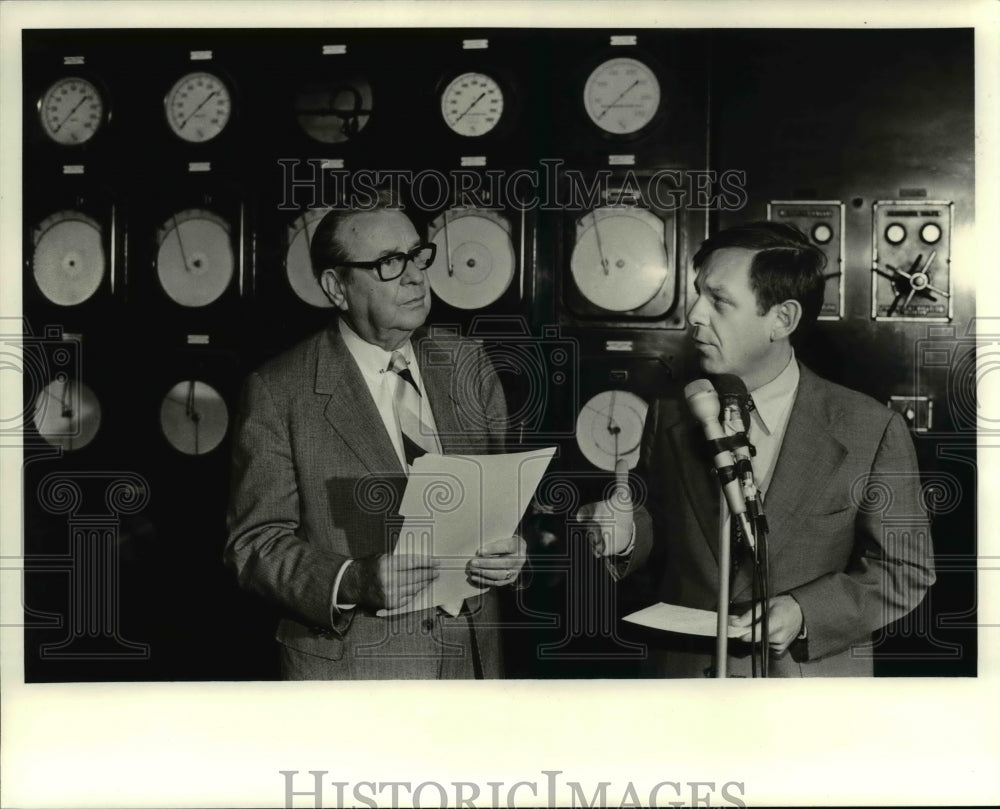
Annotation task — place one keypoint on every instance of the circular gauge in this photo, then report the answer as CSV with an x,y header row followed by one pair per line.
x,y
194,417
195,260
71,111
67,414
472,104
198,107
931,233
622,96
69,259
895,233
609,427
298,264
334,111
822,233
475,258
619,261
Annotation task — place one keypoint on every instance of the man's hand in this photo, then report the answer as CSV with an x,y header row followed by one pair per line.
x,y
612,520
386,581
497,563
784,616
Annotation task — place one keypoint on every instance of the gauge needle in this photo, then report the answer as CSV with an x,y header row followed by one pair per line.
x,y
600,249
460,117
180,241
195,110
70,114
447,247
613,427
67,409
620,95
192,413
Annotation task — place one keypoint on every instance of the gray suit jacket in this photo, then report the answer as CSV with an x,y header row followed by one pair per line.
x,y
316,481
849,537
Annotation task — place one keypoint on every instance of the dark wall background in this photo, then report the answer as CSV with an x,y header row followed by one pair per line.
x,y
841,117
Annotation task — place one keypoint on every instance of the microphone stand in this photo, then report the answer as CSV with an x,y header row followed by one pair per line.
x,y
722,609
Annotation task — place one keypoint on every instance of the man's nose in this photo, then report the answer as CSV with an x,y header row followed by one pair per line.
x,y
412,274
696,314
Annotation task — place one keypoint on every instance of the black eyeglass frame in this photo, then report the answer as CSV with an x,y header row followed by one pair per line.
x,y
378,264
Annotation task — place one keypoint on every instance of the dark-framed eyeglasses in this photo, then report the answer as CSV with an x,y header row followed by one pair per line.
x,y
389,268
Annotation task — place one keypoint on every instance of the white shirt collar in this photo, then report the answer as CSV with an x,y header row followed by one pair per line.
x,y
773,399
371,359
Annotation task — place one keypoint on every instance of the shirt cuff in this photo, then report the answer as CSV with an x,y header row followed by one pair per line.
x,y
335,605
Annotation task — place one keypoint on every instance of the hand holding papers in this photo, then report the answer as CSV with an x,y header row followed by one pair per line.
x,y
456,506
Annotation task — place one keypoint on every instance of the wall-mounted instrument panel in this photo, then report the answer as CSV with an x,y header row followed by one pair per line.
x,y
911,260
823,222
173,180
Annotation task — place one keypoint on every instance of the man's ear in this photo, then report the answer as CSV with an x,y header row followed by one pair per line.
x,y
333,286
786,320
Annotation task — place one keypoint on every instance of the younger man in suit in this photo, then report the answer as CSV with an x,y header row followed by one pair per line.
x,y
839,569
322,449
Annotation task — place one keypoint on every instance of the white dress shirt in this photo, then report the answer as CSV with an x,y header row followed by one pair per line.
x,y
772,406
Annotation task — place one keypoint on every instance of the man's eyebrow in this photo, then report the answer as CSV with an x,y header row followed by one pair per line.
x,y
715,289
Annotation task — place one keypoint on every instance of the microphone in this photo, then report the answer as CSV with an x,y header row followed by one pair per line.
x,y
736,404
703,401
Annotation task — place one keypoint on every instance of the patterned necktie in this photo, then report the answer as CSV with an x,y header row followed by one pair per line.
x,y
418,436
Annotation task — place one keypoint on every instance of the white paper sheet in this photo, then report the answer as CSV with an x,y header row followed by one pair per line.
x,y
454,505
674,618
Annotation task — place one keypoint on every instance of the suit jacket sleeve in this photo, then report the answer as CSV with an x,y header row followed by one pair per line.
x,y
270,558
891,566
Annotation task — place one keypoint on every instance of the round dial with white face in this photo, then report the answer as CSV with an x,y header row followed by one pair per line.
x,y
69,258
619,261
622,96
71,111
298,264
195,260
475,260
67,413
472,104
198,107
609,427
194,417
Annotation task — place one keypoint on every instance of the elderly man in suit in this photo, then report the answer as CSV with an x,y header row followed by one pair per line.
x,y
837,571
322,451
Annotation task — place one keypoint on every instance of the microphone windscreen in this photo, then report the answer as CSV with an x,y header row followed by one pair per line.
x,y
702,400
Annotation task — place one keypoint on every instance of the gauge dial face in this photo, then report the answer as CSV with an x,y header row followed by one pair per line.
x,y
609,427
619,262
298,265
69,259
472,104
71,111
198,107
194,417
334,111
475,263
622,96
67,414
195,261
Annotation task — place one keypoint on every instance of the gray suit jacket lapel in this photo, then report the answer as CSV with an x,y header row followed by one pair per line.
x,y
350,409
810,456
437,386
699,479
